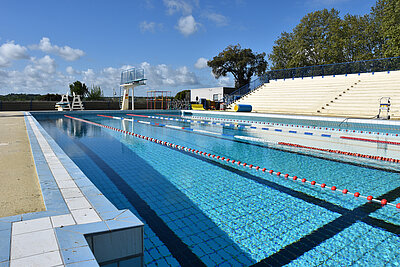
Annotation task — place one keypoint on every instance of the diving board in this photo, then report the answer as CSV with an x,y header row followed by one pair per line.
x,y
131,78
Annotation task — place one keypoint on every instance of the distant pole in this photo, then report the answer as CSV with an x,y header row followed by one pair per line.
x,y
133,98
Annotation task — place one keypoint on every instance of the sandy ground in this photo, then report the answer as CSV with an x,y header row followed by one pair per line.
x,y
19,185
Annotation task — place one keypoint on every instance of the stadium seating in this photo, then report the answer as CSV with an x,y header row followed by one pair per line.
x,y
353,95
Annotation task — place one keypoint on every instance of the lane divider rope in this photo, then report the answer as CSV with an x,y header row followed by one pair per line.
x,y
294,125
342,152
392,160
369,198
370,140
278,130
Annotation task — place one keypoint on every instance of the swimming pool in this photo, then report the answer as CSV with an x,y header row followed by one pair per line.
x,y
199,209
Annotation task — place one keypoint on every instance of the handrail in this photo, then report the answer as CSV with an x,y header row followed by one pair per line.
x,y
362,66
132,75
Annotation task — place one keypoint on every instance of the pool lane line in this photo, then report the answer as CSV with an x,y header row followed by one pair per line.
x,y
369,198
370,140
172,126
277,130
169,115
295,125
135,115
392,160
179,250
255,139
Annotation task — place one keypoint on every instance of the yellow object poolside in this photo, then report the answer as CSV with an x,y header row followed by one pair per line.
x,y
197,107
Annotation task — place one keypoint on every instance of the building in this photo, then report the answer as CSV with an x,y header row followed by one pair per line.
x,y
213,94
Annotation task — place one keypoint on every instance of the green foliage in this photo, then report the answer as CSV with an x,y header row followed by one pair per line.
x,y
50,97
183,95
95,93
359,38
386,16
241,63
322,37
19,97
316,40
79,89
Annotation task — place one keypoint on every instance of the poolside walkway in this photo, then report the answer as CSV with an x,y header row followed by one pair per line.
x,y
19,191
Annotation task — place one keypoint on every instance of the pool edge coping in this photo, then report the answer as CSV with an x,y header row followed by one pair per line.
x,y
112,219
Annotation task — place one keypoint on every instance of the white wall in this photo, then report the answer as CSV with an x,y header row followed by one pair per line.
x,y
206,93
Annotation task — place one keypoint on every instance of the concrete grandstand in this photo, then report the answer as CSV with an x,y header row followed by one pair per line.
x,y
346,95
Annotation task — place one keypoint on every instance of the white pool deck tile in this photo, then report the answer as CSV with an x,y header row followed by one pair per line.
x,y
62,220
78,203
62,184
84,216
33,242
52,258
71,193
31,226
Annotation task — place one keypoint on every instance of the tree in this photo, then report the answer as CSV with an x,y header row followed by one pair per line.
x,y
241,63
282,52
95,93
386,17
183,95
316,40
50,97
79,88
360,38
322,37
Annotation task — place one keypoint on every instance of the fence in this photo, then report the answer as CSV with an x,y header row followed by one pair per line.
x,y
132,75
50,105
364,66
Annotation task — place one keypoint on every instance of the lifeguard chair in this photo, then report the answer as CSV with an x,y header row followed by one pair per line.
x,y
129,80
384,108
63,104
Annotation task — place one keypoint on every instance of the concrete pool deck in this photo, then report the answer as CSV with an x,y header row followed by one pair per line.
x,y
20,190
77,226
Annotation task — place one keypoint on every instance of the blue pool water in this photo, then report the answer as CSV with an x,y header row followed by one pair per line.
x,y
202,211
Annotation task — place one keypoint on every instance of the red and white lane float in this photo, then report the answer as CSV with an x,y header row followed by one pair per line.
x,y
342,152
369,198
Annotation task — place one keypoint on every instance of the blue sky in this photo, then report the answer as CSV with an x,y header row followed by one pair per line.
x,y
45,45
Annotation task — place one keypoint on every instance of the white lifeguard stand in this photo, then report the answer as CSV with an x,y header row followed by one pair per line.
x,y
129,80
63,104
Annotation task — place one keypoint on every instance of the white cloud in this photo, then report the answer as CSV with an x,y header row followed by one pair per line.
x,y
218,19
225,81
41,67
66,52
150,26
201,63
39,76
161,75
70,70
187,25
10,51
174,6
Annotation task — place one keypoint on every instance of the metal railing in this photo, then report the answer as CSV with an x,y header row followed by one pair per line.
x,y
363,66
177,104
132,75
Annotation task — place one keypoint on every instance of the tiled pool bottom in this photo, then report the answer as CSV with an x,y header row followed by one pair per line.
x,y
209,221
